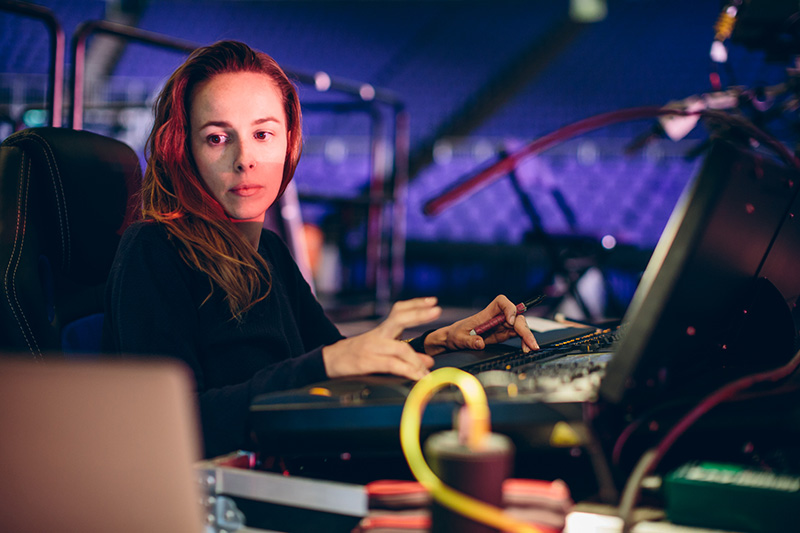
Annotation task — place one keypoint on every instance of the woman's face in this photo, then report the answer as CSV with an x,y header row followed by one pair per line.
x,y
238,139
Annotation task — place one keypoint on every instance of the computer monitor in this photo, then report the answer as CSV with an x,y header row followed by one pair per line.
x,y
714,300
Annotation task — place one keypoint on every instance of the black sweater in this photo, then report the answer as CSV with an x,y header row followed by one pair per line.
x,y
154,306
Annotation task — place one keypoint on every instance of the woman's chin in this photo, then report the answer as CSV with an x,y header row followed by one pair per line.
x,y
244,219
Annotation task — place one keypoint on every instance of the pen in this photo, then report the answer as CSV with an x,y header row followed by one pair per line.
x,y
500,318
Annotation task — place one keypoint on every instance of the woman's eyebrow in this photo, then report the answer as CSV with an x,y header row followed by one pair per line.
x,y
225,124
216,124
266,119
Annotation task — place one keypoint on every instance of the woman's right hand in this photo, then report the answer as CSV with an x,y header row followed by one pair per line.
x,y
379,351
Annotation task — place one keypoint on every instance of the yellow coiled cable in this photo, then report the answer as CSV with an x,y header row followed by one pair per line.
x,y
724,26
478,410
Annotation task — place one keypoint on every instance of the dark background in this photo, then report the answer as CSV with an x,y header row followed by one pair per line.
x,y
477,78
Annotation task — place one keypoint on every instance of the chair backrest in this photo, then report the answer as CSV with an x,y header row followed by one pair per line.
x,y
66,196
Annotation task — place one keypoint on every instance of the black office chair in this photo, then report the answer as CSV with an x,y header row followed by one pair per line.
x,y
65,198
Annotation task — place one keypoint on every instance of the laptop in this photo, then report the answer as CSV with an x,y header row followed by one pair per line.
x,y
98,446
713,304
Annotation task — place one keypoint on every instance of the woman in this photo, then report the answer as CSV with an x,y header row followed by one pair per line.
x,y
200,280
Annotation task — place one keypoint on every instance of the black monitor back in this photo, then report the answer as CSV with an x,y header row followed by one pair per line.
x,y
714,301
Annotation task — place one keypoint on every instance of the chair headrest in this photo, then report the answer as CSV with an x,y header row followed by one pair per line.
x,y
78,188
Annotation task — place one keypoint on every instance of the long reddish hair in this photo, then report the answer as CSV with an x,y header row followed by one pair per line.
x,y
173,193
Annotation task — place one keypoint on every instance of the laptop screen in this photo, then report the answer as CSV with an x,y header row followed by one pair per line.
x,y
97,446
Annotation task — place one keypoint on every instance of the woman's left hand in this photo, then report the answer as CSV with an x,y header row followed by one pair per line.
x,y
457,336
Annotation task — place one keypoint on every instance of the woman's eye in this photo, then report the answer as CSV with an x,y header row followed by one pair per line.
x,y
215,139
261,135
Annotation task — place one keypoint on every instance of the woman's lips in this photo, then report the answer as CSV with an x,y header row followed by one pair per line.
x,y
246,190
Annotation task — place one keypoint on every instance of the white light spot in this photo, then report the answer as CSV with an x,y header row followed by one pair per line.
x,y
335,150
608,242
718,53
482,150
587,153
322,81
442,152
367,92
588,10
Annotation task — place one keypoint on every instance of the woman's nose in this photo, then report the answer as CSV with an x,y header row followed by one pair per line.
x,y
242,165
244,160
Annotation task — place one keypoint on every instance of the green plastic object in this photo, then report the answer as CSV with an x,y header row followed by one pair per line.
x,y
733,498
